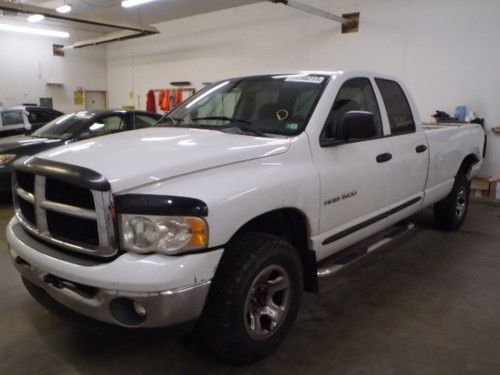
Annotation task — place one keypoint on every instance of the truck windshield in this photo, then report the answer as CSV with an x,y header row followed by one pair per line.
x,y
280,104
63,127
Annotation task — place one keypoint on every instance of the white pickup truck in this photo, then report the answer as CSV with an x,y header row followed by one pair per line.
x,y
227,210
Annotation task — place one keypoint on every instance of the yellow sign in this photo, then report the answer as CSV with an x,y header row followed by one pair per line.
x,y
79,98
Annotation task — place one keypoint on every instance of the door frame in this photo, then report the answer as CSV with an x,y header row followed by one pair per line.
x,y
105,92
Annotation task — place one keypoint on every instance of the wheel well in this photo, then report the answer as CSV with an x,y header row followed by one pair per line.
x,y
467,164
291,225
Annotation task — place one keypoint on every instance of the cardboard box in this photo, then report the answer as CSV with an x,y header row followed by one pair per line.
x,y
480,187
494,190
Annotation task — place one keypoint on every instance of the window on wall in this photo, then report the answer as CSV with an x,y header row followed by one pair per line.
x,y
397,106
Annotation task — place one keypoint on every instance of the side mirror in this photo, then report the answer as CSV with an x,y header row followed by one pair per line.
x,y
357,125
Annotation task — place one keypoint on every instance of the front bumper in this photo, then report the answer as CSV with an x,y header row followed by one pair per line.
x,y
124,291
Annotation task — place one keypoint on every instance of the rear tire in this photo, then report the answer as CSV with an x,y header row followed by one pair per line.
x,y
254,298
450,213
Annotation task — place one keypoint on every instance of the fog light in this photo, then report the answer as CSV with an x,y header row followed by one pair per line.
x,y
139,309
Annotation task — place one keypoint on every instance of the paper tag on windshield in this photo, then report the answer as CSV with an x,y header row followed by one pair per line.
x,y
292,126
305,78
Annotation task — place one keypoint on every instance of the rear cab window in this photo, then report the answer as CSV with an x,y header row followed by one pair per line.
x,y
397,107
11,118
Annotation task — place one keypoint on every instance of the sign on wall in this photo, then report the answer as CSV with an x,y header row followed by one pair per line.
x,y
79,97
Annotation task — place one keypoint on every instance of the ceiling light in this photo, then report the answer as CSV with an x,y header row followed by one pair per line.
x,y
33,30
65,8
133,3
36,18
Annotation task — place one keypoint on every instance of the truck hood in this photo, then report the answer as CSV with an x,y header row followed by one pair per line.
x,y
145,156
25,143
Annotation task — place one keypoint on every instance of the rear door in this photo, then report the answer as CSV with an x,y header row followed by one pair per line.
x,y
410,159
354,180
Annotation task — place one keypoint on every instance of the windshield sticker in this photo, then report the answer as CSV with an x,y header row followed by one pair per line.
x,y
305,78
292,126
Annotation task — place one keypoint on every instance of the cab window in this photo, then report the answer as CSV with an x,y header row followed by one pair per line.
x,y
10,118
104,126
143,121
355,95
397,106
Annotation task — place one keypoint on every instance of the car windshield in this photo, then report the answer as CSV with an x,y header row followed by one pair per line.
x,y
63,127
280,104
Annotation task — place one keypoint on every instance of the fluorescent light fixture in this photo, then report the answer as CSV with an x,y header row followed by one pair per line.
x,y
133,3
36,18
33,30
65,8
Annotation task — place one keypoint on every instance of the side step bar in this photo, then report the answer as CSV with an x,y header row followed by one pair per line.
x,y
338,262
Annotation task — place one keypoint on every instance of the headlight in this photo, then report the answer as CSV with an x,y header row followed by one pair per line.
x,y
5,158
166,234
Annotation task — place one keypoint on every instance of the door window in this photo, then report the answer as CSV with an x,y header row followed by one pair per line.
x,y
143,121
10,118
397,107
355,95
104,126
40,117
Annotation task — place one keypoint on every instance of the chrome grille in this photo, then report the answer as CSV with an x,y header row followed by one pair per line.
x,y
64,214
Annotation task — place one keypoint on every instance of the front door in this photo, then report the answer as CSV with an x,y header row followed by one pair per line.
x,y
355,175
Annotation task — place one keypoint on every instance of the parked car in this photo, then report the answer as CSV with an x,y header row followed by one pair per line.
x,y
25,119
65,130
234,204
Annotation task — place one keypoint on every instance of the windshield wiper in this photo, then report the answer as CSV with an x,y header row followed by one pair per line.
x,y
223,118
248,129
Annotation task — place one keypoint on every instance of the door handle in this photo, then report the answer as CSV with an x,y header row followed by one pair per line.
x,y
421,148
382,158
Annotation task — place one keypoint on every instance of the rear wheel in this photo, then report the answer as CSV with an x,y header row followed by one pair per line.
x,y
450,213
254,298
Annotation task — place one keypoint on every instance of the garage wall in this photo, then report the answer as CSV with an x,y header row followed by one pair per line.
x,y
445,50
27,65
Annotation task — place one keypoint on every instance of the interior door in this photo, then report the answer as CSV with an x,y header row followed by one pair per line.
x,y
95,100
354,178
410,154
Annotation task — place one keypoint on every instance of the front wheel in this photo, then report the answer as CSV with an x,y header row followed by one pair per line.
x,y
449,214
254,298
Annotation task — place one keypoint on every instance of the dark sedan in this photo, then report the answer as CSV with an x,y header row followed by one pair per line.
x,y
67,129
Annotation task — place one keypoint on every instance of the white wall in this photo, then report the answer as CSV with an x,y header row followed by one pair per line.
x,y
27,64
445,50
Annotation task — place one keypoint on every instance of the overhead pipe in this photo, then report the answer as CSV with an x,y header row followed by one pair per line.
x,y
316,11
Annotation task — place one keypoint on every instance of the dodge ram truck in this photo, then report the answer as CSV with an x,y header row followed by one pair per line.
x,y
227,210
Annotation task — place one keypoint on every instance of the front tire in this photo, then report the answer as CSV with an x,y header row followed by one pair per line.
x,y
254,298
450,213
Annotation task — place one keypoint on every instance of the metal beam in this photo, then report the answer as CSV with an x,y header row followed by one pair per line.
x,y
316,11
132,30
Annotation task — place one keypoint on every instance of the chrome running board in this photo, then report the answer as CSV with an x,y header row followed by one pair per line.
x,y
352,254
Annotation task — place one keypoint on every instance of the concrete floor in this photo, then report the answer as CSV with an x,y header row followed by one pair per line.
x,y
428,305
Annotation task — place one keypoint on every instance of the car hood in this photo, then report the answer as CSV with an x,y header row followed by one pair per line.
x,y
23,142
141,157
